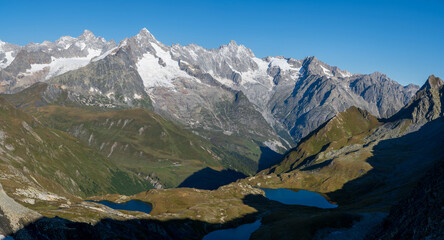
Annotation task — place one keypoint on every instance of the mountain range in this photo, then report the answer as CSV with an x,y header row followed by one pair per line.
x,y
199,133
222,94
293,96
364,164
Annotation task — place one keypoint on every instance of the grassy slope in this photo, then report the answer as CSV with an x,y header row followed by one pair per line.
x,y
318,163
240,151
136,139
58,161
143,141
346,128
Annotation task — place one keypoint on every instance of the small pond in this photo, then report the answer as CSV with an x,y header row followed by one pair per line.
x,y
298,197
132,205
243,232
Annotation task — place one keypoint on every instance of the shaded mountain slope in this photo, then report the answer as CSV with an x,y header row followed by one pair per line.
x,y
419,215
211,179
426,105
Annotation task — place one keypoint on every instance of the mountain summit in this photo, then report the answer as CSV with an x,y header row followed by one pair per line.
x,y
427,104
291,97
87,35
433,83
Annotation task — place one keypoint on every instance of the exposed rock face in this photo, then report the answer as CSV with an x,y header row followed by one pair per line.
x,y
427,104
183,92
13,216
317,96
108,82
141,73
296,95
293,96
386,95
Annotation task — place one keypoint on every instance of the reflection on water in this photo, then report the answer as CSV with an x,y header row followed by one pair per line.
x,y
301,197
243,232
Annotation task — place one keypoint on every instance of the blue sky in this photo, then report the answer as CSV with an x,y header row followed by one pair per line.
x,y
403,39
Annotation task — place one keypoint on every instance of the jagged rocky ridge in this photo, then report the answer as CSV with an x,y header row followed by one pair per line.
x,y
375,161
286,98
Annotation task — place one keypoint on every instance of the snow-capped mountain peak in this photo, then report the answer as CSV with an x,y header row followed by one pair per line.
x,y
41,61
144,31
87,35
233,43
233,47
144,34
311,65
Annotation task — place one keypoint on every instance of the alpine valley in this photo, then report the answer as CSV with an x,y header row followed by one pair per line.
x,y
202,135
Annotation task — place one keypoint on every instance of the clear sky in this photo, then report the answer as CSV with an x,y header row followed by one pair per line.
x,y
403,39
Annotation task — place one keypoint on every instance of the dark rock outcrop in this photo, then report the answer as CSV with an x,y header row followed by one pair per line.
x,y
420,215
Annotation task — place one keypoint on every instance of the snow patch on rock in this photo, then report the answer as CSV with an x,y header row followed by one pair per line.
x,y
281,63
274,145
62,65
9,58
326,71
154,73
